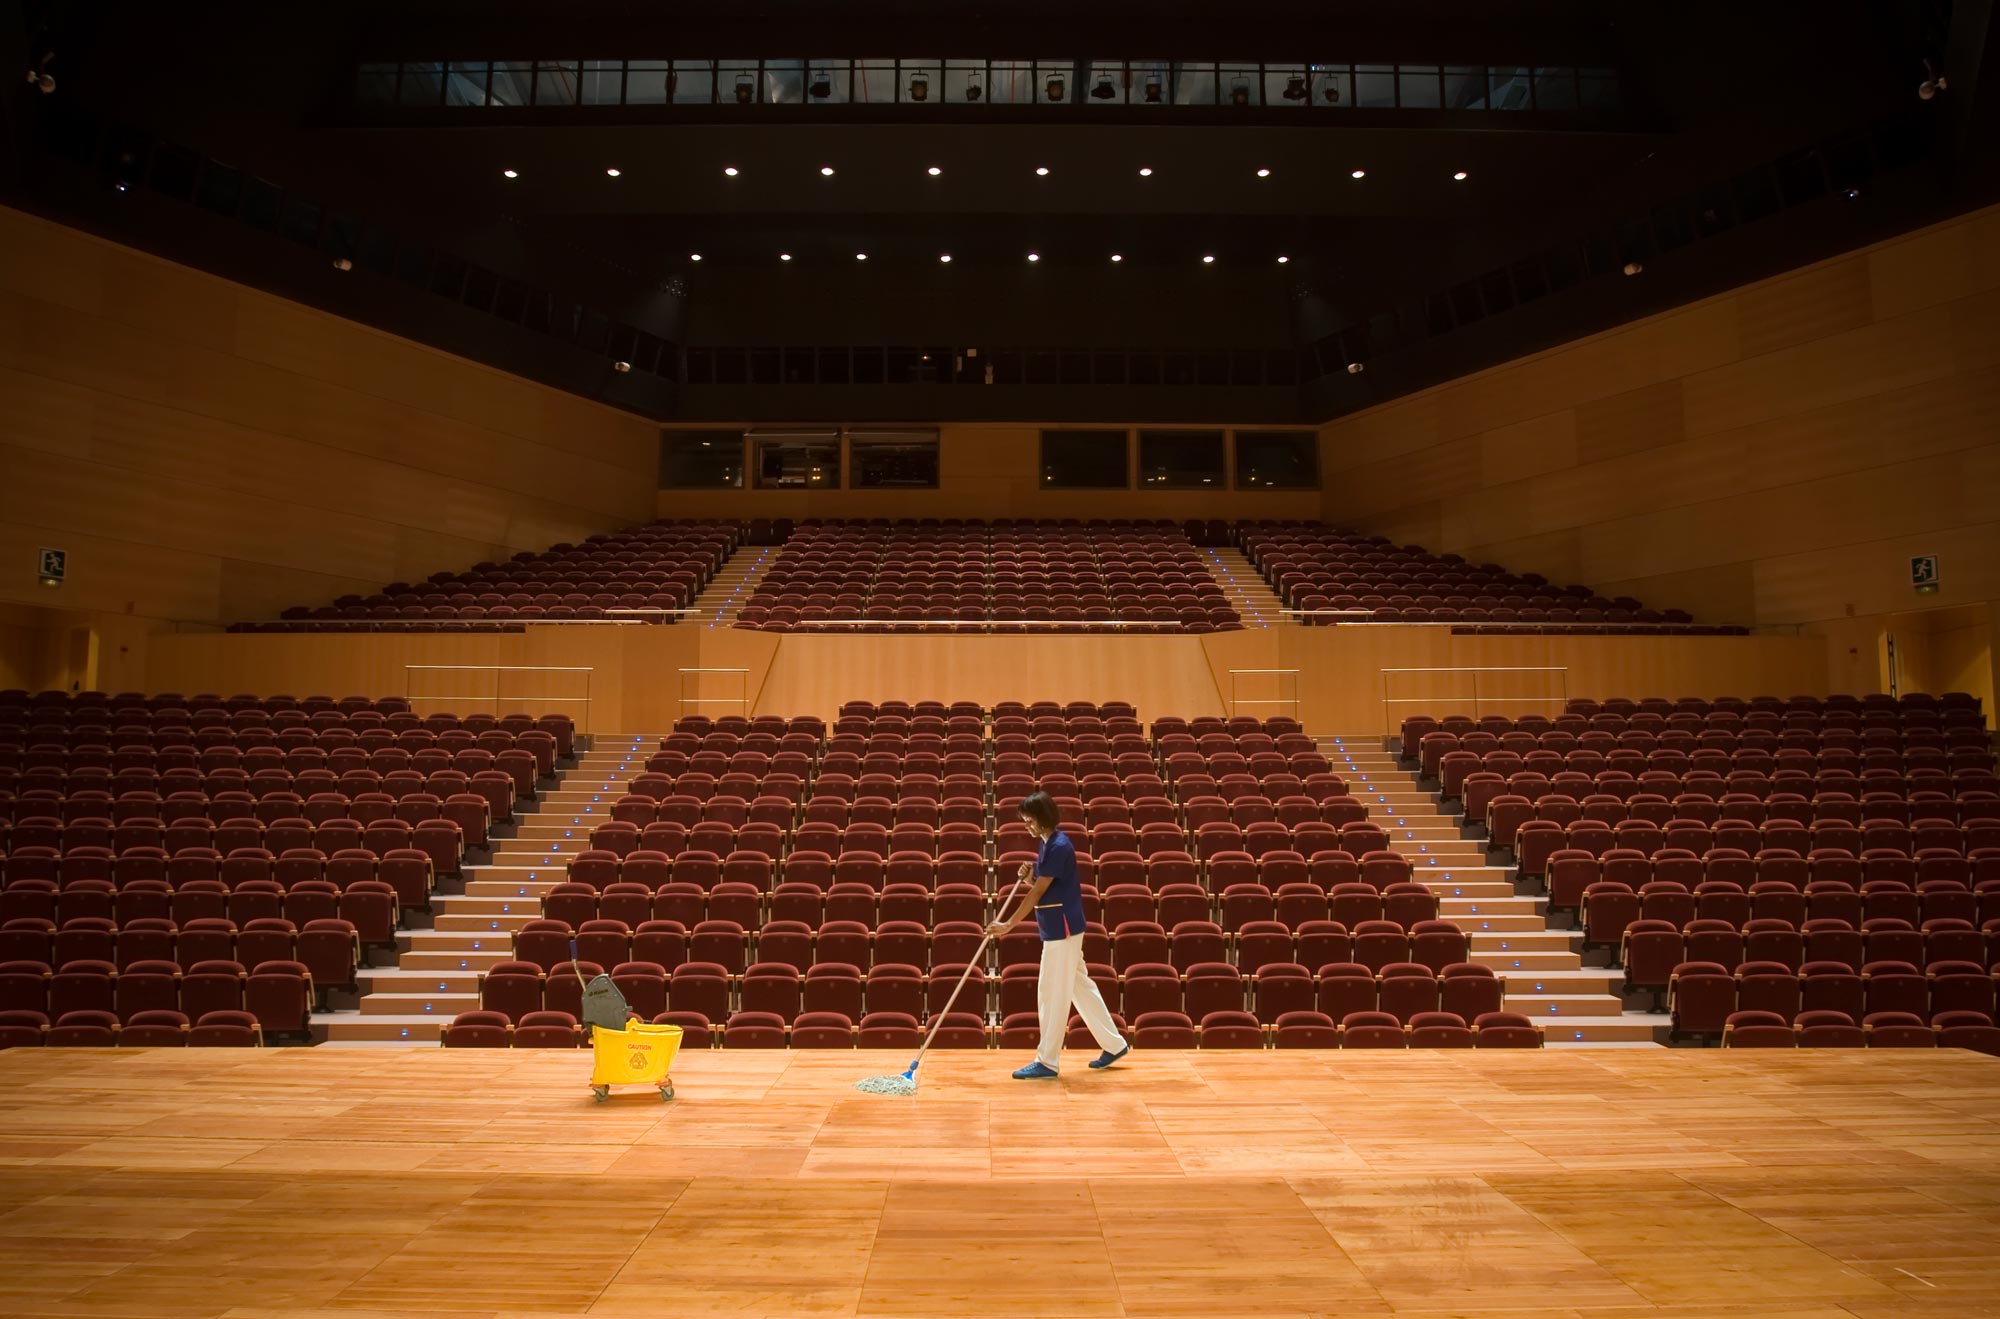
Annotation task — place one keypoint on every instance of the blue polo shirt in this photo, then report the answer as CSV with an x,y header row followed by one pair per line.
x,y
1059,912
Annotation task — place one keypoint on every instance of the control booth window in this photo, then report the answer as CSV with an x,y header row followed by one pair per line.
x,y
1084,460
796,459
892,459
1277,460
701,460
1175,460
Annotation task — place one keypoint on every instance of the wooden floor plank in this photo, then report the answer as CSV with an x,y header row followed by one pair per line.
x,y
286,1184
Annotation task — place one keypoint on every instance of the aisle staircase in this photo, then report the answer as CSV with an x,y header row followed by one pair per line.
x,y
733,584
1543,967
1249,594
437,975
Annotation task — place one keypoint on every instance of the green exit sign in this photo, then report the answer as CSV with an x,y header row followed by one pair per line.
x,y
1924,573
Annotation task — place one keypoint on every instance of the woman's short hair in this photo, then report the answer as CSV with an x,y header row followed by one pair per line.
x,y
1041,808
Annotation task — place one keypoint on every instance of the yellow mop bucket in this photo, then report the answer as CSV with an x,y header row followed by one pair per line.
x,y
641,1054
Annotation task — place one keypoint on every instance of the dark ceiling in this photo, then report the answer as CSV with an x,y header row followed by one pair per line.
x,y
1717,104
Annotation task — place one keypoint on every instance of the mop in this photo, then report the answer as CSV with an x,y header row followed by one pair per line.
x,y
906,1082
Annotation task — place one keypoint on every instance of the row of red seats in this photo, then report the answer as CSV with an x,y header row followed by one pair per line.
x,y
1722,749
1504,807
1837,1030
1703,995
454,797
1948,849
328,943
198,922
146,1030
279,993
14,698
511,774
437,842
1291,905
1649,949
727,943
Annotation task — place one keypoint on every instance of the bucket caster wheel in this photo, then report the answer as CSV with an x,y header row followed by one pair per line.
x,y
666,1091
601,1093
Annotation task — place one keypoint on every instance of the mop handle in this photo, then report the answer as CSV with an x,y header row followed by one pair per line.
x,y
574,967
983,941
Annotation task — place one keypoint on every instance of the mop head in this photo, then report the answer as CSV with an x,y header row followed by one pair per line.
x,y
905,1084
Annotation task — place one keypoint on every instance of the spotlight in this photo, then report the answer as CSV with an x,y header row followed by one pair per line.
x,y
1460,176
730,170
1295,87
1330,93
612,172
1283,260
1145,171
694,256
1034,256
121,186
784,256
1263,173
920,87
1358,174
622,368
973,91
1056,87
510,174
342,264
1208,260
1104,90
1116,257
1153,89
1239,91
1928,89
1355,368
821,85
826,171
934,171
1634,267
39,76
1042,171
945,257
746,88
860,256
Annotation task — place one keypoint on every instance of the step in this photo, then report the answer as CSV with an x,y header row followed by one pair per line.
x,y
411,1028
1512,961
1586,980
419,1004
1634,1027
403,980
1542,1007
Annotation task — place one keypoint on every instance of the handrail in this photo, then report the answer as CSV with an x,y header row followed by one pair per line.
x,y
1236,702
1476,697
741,700
499,697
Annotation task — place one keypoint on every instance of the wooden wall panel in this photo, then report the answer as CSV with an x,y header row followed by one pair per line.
x,y
208,452
1769,456
991,472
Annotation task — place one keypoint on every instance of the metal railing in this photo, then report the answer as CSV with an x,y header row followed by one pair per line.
x,y
1476,697
691,704
500,696
1278,677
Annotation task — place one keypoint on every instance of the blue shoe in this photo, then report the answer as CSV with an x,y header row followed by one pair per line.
x,y
1107,1058
1034,1071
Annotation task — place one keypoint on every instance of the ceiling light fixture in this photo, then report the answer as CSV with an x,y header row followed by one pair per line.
x,y
1153,89
510,174
920,86
1634,267
1057,88
694,256
1263,173
1295,87
934,171
1355,368
945,257
1461,176
826,171
1208,260
1042,170
1283,260
730,170
1145,171
613,171
1105,89
746,88
784,256
860,256
1116,257
1359,174
1034,256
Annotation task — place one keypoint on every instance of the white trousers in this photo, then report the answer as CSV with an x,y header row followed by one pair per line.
x,y
1066,980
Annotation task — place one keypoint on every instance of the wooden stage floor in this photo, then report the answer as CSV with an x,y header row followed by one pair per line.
x,y
1549,1184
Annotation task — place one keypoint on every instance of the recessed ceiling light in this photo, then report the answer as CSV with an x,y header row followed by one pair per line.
x,y
612,171
1041,169
860,256
1145,171
1034,256
784,256
1208,260
1360,174
826,171
730,170
1283,259
945,257
1116,257
1461,176
1263,173
934,171
511,173
694,256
